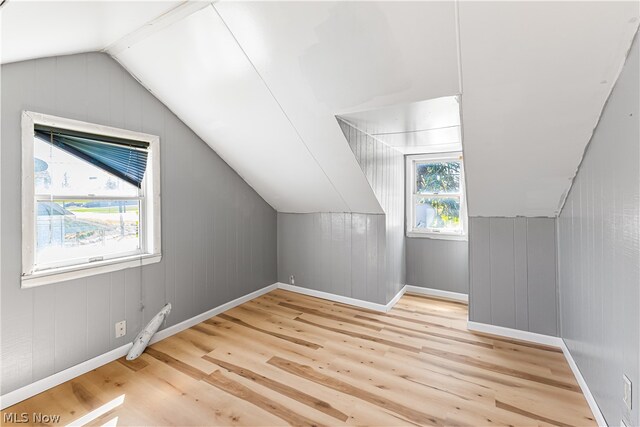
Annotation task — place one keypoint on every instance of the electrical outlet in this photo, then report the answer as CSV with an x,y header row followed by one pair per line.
x,y
628,392
292,279
121,328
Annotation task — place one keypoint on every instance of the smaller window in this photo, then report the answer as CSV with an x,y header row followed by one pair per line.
x,y
436,204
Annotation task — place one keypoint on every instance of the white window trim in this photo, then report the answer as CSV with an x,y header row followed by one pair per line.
x,y
151,187
410,185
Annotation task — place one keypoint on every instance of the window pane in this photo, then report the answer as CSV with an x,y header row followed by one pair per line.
x,y
438,213
438,177
76,230
62,174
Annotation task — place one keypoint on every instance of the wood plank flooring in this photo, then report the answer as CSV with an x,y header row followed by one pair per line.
x,y
286,358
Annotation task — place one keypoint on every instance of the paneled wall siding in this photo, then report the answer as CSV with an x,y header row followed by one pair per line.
x,y
599,253
358,255
438,264
339,253
384,169
218,235
512,263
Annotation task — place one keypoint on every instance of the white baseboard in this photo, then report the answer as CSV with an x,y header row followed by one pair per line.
x,y
39,386
172,330
437,293
549,341
345,300
515,334
597,414
51,381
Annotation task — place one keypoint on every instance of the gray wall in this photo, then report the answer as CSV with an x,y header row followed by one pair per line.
x,y
218,235
384,169
512,266
438,264
599,256
339,253
351,254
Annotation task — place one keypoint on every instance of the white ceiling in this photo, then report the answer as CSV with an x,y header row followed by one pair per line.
x,y
34,29
322,58
262,83
535,78
430,126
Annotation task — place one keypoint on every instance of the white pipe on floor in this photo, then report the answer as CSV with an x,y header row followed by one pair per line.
x,y
142,340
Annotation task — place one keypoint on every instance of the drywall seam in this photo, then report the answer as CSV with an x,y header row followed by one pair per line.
x,y
51,381
461,90
565,195
295,129
163,21
348,123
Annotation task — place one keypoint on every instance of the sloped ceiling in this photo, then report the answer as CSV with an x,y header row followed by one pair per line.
x,y
35,29
535,78
262,83
423,127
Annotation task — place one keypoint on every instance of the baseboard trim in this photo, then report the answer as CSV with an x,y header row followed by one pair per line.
x,y
437,293
549,341
51,381
345,300
591,401
172,330
515,334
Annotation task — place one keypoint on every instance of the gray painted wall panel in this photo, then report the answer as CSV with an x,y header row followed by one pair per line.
x,y
480,270
438,264
503,312
541,276
521,292
53,327
346,264
599,252
513,273
351,254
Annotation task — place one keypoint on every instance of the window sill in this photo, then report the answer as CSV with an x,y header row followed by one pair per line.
x,y
438,236
62,274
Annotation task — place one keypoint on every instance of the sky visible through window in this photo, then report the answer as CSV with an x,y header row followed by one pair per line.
x,y
83,212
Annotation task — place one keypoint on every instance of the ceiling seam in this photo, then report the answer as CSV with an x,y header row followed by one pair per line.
x,y
460,88
368,134
565,195
166,19
414,131
280,106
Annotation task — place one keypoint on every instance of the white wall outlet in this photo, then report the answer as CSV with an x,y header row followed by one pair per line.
x,y
121,328
292,280
628,392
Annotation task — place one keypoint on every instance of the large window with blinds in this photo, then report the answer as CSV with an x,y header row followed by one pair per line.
x,y
436,205
90,199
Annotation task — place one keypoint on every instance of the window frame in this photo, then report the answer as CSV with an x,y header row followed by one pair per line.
x,y
411,195
150,206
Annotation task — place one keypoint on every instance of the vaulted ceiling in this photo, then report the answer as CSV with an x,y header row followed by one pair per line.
x,y
262,82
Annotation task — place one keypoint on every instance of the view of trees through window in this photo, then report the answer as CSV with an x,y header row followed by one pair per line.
x,y
439,209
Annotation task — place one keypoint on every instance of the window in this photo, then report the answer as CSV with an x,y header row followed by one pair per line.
x,y
435,196
91,199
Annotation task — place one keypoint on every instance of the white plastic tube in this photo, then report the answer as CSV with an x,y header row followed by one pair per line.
x,y
142,340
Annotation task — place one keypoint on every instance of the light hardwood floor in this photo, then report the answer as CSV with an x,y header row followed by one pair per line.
x,y
286,358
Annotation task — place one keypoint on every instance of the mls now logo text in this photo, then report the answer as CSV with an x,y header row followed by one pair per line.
x,y
24,418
